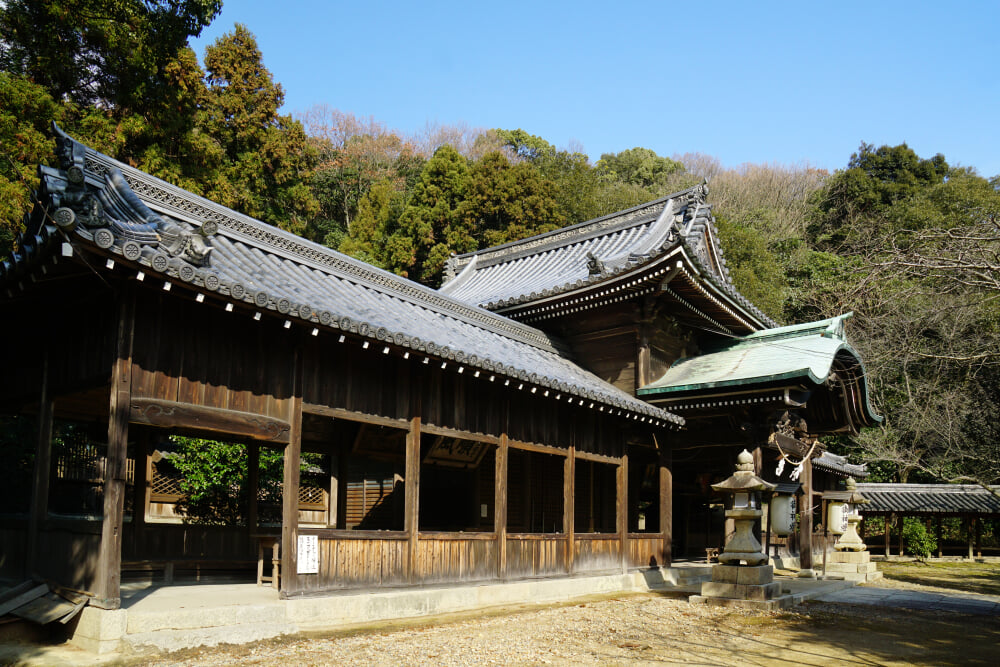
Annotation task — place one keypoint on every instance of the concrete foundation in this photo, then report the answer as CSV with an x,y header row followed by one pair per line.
x,y
178,617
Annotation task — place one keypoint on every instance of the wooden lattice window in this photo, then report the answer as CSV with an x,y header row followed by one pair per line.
x,y
165,483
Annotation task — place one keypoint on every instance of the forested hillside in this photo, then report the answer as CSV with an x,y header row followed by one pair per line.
x,y
908,242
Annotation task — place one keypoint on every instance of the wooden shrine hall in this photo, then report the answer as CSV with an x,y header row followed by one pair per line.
x,y
527,420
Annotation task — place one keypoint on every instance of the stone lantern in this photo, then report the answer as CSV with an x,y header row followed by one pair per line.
x,y
851,557
742,573
850,540
745,488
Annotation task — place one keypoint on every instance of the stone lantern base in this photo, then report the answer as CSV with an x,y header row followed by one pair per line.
x,y
742,582
853,566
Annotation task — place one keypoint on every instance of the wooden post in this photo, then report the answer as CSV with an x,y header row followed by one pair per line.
x,y
666,506
500,506
43,468
569,486
978,533
887,520
253,486
622,507
412,508
140,494
290,488
937,536
108,577
899,521
968,533
806,516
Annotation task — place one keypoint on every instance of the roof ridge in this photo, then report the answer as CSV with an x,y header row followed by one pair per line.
x,y
565,236
196,209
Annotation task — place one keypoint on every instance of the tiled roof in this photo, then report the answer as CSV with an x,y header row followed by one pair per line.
x,y
597,251
931,498
839,465
179,237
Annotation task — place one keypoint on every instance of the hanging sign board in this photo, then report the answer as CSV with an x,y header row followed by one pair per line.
x,y
308,561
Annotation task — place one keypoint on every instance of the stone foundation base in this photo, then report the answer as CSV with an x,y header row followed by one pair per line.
x,y
853,566
742,582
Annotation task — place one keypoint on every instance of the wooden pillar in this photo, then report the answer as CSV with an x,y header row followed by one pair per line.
x,y
806,522
43,468
937,536
666,506
968,534
412,508
107,586
622,508
290,487
140,494
979,534
899,524
887,519
253,486
569,490
500,506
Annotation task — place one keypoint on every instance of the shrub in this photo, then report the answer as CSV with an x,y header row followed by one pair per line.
x,y
917,541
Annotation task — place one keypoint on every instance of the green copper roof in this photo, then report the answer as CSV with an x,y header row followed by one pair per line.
x,y
804,352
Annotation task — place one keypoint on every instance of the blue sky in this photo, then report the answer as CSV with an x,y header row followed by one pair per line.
x,y
791,83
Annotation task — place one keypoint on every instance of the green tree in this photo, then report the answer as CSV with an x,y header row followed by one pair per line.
x,y
639,166
373,233
268,160
431,227
111,53
505,202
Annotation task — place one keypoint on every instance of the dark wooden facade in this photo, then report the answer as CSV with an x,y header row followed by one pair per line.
x,y
145,362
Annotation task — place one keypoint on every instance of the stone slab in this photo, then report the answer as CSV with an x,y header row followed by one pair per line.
x,y
849,557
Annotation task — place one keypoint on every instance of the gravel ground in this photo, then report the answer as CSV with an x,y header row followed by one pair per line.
x,y
637,629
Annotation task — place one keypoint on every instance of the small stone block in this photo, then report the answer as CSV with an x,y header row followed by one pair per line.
x,y
765,592
727,574
757,575
867,567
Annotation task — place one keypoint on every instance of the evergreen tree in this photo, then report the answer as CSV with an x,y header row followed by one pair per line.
x,y
268,160
431,227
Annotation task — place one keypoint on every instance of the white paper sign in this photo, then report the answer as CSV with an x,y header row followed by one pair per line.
x,y
308,554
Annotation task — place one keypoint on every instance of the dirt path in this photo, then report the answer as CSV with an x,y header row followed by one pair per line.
x,y
641,629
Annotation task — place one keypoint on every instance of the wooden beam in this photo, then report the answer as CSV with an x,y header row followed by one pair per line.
x,y
411,510
457,433
666,505
540,449
170,414
597,458
569,527
354,416
108,576
43,466
500,506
